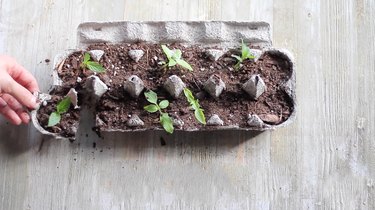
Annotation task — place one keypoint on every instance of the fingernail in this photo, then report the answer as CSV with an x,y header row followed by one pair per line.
x,y
17,121
26,118
33,102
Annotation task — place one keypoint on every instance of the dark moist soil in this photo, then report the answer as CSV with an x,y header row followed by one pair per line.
x,y
69,121
233,105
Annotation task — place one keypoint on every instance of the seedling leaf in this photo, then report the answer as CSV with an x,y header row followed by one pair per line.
x,y
151,108
91,65
177,54
245,51
54,119
237,57
184,64
95,67
163,104
199,115
63,105
167,52
166,122
175,57
86,58
151,97
194,103
245,54
189,95
172,63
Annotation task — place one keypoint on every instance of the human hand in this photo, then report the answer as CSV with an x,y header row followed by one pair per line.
x,y
16,88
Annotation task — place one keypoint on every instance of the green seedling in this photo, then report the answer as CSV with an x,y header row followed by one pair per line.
x,y
194,103
62,107
165,119
245,54
175,57
92,65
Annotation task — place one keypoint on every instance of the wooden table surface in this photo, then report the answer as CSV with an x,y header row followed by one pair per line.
x,y
324,160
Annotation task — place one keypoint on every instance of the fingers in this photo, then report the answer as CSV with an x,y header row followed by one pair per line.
x,y
13,110
16,87
17,108
8,113
18,73
23,77
23,95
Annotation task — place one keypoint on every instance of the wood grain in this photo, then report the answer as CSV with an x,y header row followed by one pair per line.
x,y
324,160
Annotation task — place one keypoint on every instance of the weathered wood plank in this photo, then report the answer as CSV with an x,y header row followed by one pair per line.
x,y
325,160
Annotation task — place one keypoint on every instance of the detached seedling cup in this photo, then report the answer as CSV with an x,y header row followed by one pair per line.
x,y
58,112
